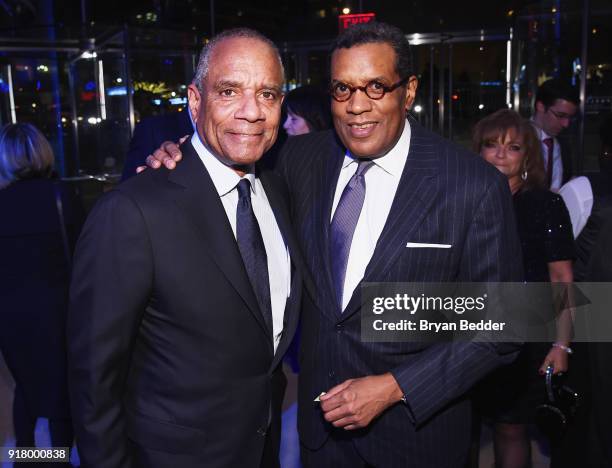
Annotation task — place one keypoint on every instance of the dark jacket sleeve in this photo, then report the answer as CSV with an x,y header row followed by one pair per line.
x,y
491,253
600,264
111,284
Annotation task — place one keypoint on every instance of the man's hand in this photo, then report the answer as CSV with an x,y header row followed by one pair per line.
x,y
167,154
356,402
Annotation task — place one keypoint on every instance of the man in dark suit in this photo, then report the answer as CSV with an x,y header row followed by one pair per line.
x,y
152,132
381,199
431,212
175,350
556,103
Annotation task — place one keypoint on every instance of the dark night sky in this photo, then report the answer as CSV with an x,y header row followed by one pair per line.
x,y
280,19
297,20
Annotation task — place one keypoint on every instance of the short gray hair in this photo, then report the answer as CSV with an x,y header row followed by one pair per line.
x,y
246,33
24,153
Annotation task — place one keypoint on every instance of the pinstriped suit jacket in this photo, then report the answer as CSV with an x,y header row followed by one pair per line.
x,y
446,195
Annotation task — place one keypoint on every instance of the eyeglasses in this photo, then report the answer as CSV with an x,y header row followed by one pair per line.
x,y
562,115
342,92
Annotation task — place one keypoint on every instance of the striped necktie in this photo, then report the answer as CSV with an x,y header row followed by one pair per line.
x,y
344,223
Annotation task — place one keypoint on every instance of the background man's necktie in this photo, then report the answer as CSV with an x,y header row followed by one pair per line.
x,y
548,142
344,223
253,251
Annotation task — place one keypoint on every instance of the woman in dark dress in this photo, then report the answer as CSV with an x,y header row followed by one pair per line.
x,y
510,143
34,278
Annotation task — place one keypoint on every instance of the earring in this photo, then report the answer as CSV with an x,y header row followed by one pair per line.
x,y
524,173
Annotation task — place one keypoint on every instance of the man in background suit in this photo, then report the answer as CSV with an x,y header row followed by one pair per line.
x,y
175,350
360,194
151,132
556,103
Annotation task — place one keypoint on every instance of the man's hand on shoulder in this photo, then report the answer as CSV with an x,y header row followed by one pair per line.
x,y
356,402
167,154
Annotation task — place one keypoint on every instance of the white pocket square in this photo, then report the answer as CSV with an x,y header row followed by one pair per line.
x,y
419,245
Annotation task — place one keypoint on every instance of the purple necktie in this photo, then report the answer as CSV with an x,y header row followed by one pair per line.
x,y
253,251
344,223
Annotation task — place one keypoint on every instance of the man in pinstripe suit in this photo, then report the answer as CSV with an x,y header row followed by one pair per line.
x,y
388,404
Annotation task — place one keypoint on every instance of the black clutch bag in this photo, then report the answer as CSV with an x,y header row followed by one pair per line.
x,y
554,416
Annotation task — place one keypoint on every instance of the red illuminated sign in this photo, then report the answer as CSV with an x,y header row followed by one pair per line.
x,y
87,95
346,21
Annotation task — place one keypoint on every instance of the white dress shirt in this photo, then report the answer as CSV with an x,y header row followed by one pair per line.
x,y
381,180
557,174
225,180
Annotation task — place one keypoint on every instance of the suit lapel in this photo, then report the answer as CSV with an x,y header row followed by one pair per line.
x,y
415,195
291,318
201,203
331,165
281,214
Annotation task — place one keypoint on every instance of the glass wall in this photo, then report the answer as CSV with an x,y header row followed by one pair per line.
x,y
306,63
86,96
464,76
550,37
86,102
34,88
453,94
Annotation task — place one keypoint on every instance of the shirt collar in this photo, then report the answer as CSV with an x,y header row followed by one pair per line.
x,y
392,162
223,176
541,133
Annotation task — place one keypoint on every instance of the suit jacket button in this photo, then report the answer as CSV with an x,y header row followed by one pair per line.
x,y
261,431
339,328
331,373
